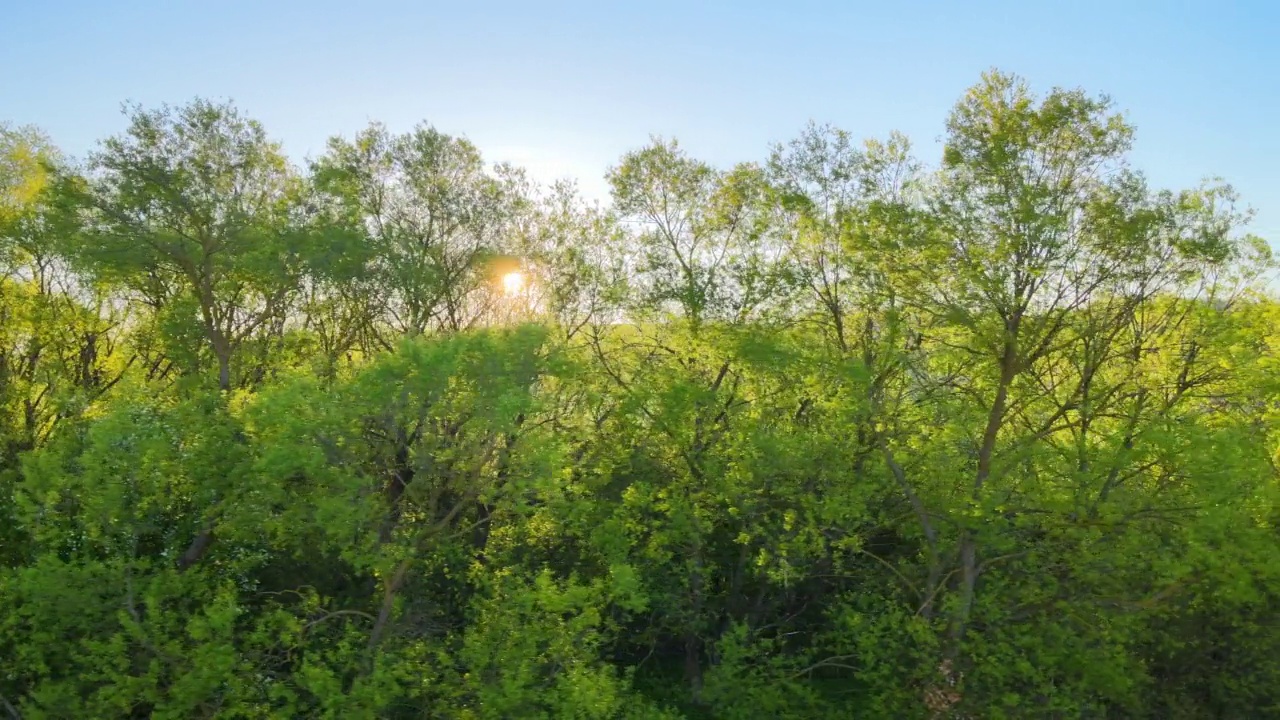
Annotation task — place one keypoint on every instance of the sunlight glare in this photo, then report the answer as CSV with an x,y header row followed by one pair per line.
x,y
513,283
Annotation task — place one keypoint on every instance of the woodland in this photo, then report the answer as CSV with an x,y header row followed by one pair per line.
x,y
836,432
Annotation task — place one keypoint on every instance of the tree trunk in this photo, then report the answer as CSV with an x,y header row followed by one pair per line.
x,y
986,453
196,550
219,341
402,475
692,642
224,372
390,588
926,525
693,666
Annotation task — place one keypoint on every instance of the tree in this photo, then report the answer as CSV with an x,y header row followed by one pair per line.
x,y
434,216
61,344
1058,256
703,244
193,208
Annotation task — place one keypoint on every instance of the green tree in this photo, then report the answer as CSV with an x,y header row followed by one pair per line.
x,y
434,216
193,209
703,246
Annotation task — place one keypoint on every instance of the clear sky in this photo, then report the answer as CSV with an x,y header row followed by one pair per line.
x,y
564,88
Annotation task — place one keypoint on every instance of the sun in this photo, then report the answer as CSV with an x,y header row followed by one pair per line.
x,y
513,283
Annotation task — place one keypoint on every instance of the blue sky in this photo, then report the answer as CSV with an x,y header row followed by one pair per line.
x,y
566,87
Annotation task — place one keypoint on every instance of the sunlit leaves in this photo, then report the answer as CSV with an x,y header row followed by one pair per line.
x,y
837,433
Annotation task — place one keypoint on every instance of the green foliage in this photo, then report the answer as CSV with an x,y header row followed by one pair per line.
x,y
838,434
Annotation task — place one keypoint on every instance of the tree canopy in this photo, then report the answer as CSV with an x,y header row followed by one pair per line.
x,y
834,432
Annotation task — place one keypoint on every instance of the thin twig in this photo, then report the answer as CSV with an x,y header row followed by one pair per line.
x,y
337,613
893,570
833,661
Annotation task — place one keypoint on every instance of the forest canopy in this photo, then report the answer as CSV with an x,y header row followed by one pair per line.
x,y
837,432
